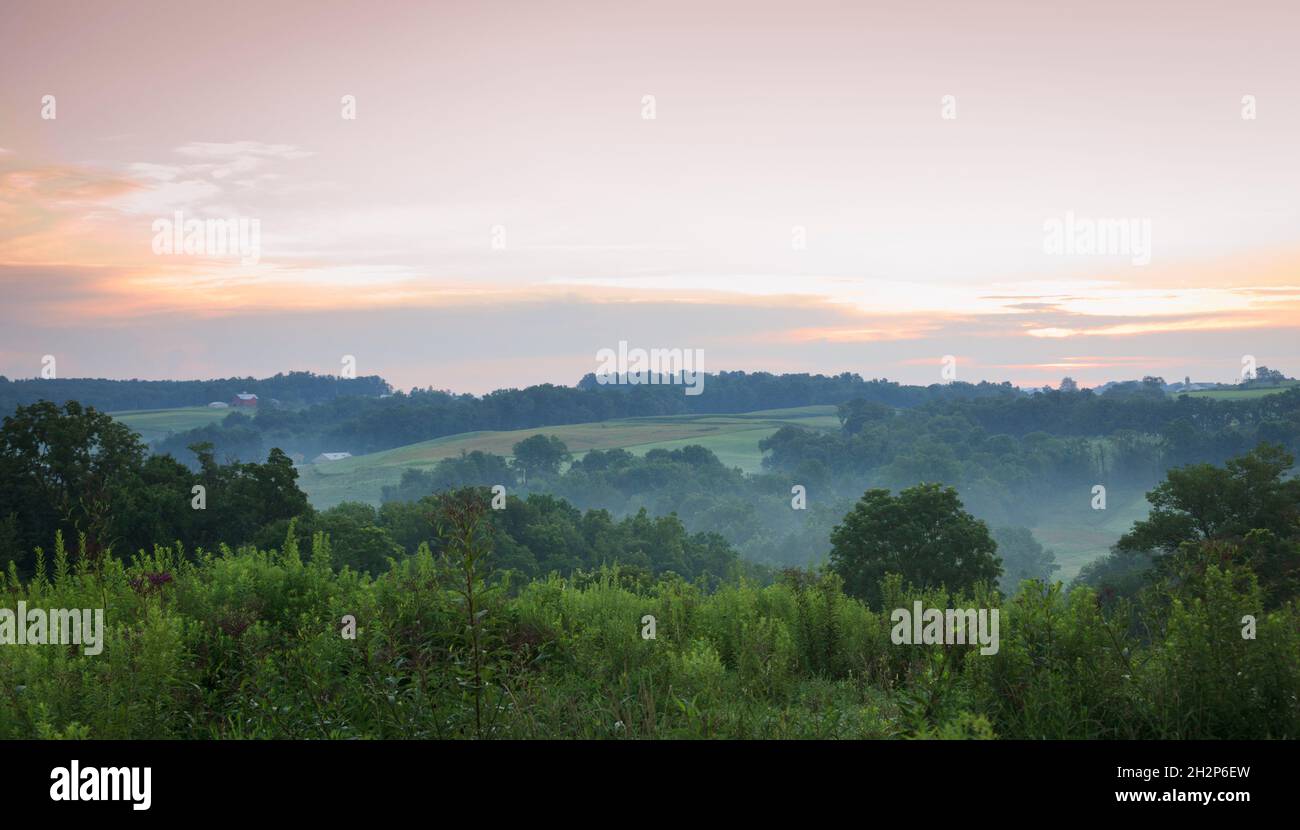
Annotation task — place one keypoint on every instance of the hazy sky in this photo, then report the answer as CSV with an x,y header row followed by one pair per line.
x,y
501,206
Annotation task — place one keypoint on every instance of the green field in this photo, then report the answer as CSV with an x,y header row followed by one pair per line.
x,y
734,438
152,424
1241,394
1078,534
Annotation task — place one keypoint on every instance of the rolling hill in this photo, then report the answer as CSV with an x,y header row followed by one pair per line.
x,y
1074,531
734,438
152,424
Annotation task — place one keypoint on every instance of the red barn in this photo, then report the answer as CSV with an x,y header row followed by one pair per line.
x,y
244,399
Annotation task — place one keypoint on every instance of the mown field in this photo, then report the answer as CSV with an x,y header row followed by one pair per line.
x,y
1077,534
153,424
1240,394
734,438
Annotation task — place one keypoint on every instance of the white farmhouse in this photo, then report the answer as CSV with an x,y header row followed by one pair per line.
x,y
330,456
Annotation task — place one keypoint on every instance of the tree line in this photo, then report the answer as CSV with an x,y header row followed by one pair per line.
x,y
294,389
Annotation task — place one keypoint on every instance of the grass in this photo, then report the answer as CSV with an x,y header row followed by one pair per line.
x,y
1078,534
153,424
733,437
1241,394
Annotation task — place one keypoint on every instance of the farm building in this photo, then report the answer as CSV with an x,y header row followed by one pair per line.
x,y
244,399
218,405
331,456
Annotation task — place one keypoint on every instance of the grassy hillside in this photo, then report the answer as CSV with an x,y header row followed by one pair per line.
x,y
153,424
1078,534
1241,394
734,438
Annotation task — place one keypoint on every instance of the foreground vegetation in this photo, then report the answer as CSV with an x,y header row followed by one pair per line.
x,y
249,644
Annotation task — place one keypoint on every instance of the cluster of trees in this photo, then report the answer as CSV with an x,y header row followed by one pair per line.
x,y
1002,476
754,513
1264,378
294,389
77,472
1002,454
533,536
1242,516
1245,514
1194,428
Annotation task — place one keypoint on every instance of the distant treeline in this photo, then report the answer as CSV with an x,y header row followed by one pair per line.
x,y
295,389
365,425
1150,434
1191,429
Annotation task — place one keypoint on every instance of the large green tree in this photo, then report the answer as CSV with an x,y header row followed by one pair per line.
x,y
79,471
1201,502
540,456
1246,511
63,468
857,413
243,498
923,533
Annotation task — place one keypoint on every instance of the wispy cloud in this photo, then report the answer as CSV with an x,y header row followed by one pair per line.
x,y
529,214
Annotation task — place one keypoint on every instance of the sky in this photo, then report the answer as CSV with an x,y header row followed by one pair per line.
x,y
473,196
